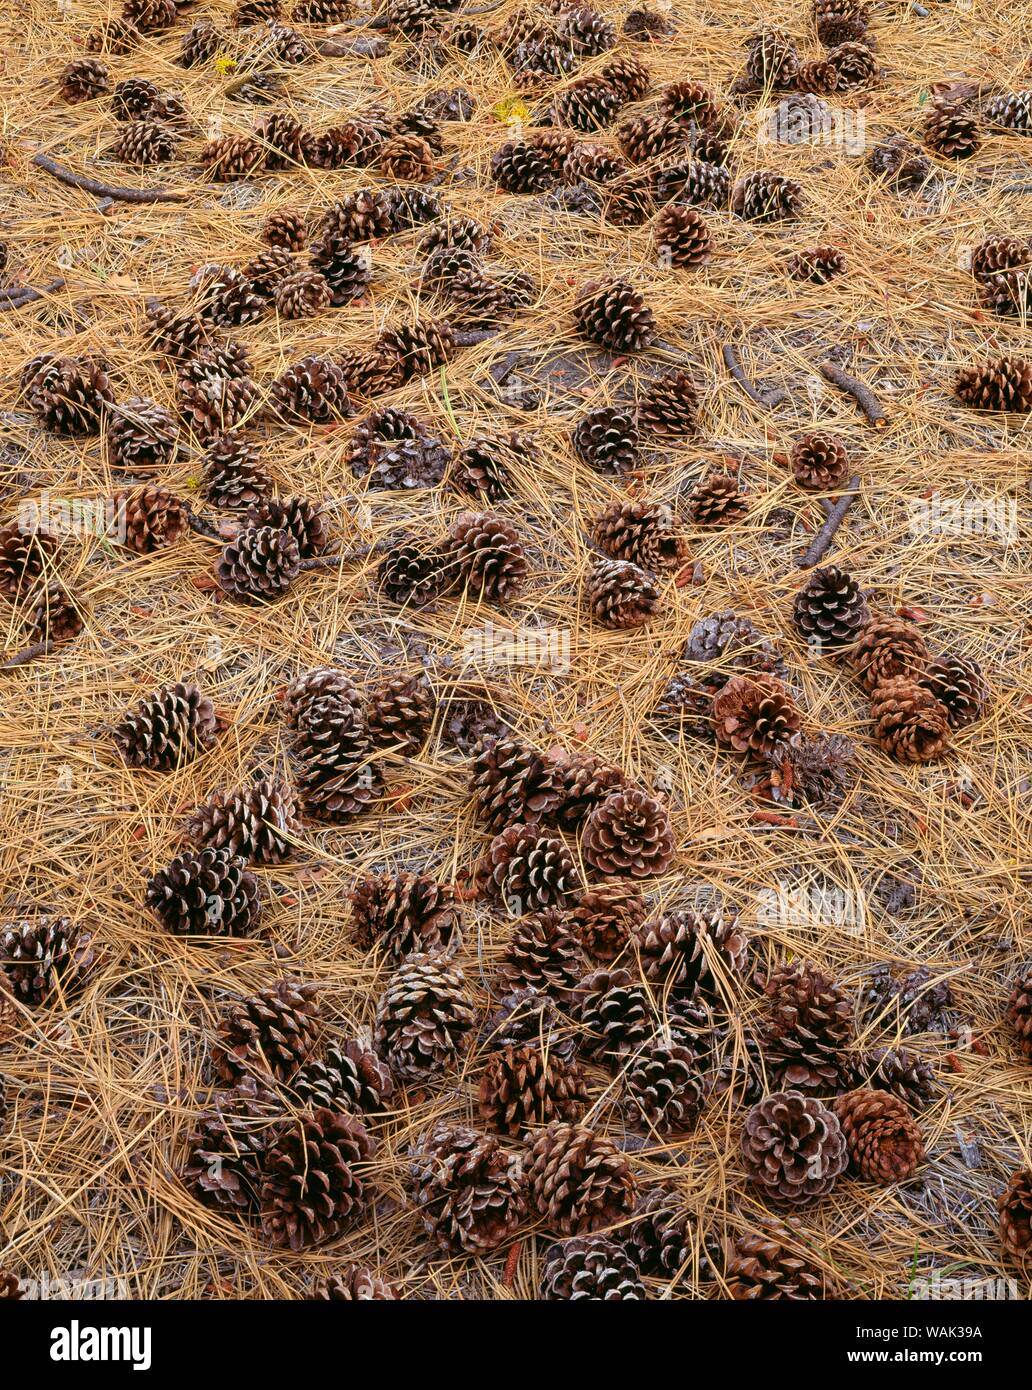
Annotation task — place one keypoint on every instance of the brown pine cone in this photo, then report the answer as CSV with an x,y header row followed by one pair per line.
x,y
735,643
607,440
112,35
488,555
629,833
754,714
644,533
69,395
149,15
621,595
458,232
1010,111
592,161
347,1077
257,822
520,167
285,229
132,98
302,295
952,131
997,254
766,197
884,1143
407,159
525,1085
644,138
336,778
588,103
900,162
149,519
271,1033
717,500
414,573
1015,1207
173,333
830,610
43,957
669,405
394,450
685,951
811,771
258,565
770,1263
526,1016
354,1283
614,316
415,349
904,1074
909,722
819,76
312,1178
269,269
543,955
141,435
817,265
629,76
423,1018
285,141
210,893
199,44
584,780
614,1013
512,782
665,1241
959,686
773,60
84,79
469,1190
485,464
227,1147
605,918
527,870
810,1030
345,270
56,617
314,390
361,216
889,647
577,1180
168,729
683,237
229,157
1019,1012
819,461
664,1087
840,21
400,713
696,182
24,556
793,1147
232,476
855,65
303,519
590,1267
409,914
144,142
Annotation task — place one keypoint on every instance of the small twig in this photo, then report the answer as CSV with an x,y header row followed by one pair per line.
x,y
442,174
511,1262
107,190
359,47
29,654
768,399
862,394
344,557
836,514
469,337
15,297
202,527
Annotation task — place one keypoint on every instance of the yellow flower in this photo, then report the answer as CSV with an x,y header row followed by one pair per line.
x,y
224,63
513,111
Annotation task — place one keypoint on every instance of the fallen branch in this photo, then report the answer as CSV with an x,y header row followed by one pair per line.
x,y
29,654
107,190
836,514
344,557
469,337
768,399
863,395
16,298
202,527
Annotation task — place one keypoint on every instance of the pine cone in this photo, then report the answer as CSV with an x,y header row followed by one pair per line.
x,y
578,1180
685,951
361,216
811,771
271,1033
336,777
614,1013
629,76
149,519
312,1183
210,893
488,555
50,955
25,554
664,1088
952,131
648,26
232,476
468,1189
629,833
112,35
223,296
314,390
543,954
644,138
664,1241
959,686
84,79
621,595
133,98
716,500
766,197
141,435
56,617
394,450
910,723
199,44
353,1284
518,167
401,711
344,270
485,464
525,1085
810,1030
415,574
607,440
817,265
512,782
768,1264
588,103
840,21
174,334
773,60
889,647
819,461
696,182
735,643
754,714
900,163
257,823
457,233
300,697
614,316
629,202
413,350
409,914
1019,1012
590,1267
348,1077
10,1285
527,870
285,230
606,917
644,533
1015,1207
69,395
884,1143
820,77
269,269
854,64
1010,111
259,565
306,521
793,1148
423,1019
669,405
683,237
149,16
144,142
830,610
168,729
1003,383
302,295
525,1016
229,157
227,1147
902,1073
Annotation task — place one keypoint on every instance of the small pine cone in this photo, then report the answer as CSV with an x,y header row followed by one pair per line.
x,y
69,395
606,917
360,216
902,1073
820,76
664,1240
817,265
306,521
424,1018
630,202
346,271
614,1013
1002,383
149,16
900,163
258,565
406,158
696,182
614,316
717,500
415,349
773,60
149,519
47,955
527,870
357,141
210,893
630,76
819,461
583,781
593,162
455,233
683,237
648,26
512,782
1010,111
629,833
664,1088
113,35
227,1146
409,914
485,464
585,30
446,263
854,64
687,704
354,1283
199,44
840,21
959,686
227,361
232,476
518,167
229,157
141,435
488,555
133,98
607,440
543,955
952,131
469,1190
224,296
271,1033
810,1030
314,390
286,230
766,197
84,79
412,206
669,405
1019,1012
910,723
645,533
590,1267
527,1016
621,595
144,142
735,643
1015,1207
830,610
793,1147
312,1183
694,104
302,295
577,1180
285,141
588,103
336,777
347,1077
888,647
56,617
754,713
257,823
525,1085
884,1143
24,556
771,1264
168,729
413,574
685,952
173,334
811,772
393,449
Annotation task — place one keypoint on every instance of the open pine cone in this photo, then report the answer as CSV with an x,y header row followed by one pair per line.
x,y
209,893
669,405
312,1178
819,461
772,1264
606,917
488,555
543,955
888,647
884,1143
227,1147
1019,1012
755,714
621,595
1002,383
257,822
271,1033
354,1283
512,782
909,722
347,1077
469,1190
643,533
24,555
584,780
810,1030
590,1267
614,1012
48,956
525,1085
577,1180
628,834
830,609
959,686
793,1147
663,1084
407,914
423,1018
167,729
1015,1207
684,951
615,316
